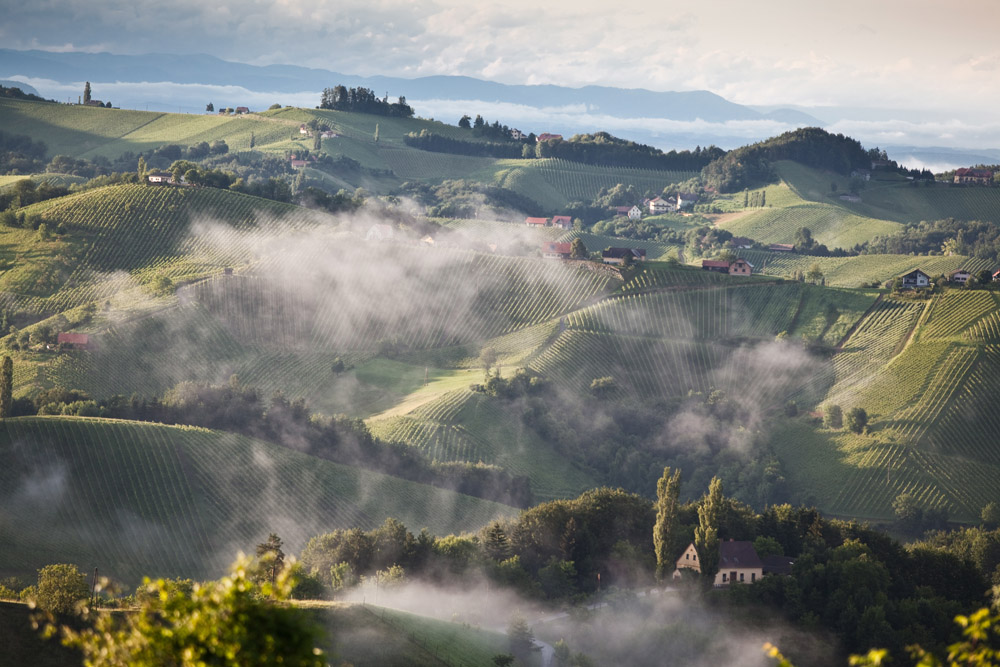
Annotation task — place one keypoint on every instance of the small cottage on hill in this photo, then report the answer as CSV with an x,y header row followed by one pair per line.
x,y
687,561
562,221
536,222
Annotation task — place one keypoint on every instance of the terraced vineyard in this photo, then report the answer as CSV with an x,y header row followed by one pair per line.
x,y
968,426
413,164
138,499
830,225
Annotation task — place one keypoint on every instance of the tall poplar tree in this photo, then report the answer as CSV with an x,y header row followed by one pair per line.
x,y
86,93
6,387
706,535
668,490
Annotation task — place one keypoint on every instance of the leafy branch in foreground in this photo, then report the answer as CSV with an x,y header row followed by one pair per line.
x,y
232,621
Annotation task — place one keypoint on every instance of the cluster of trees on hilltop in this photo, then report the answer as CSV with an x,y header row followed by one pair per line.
x,y
606,150
466,199
438,143
363,100
751,166
15,93
495,130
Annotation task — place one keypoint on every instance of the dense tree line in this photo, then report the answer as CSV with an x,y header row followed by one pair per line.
x,y
20,154
363,100
603,149
438,143
751,166
15,93
960,237
467,199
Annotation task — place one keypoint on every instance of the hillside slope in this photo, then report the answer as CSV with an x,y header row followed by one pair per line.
x,y
143,499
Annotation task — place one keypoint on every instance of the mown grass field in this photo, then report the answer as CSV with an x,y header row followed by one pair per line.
x,y
144,499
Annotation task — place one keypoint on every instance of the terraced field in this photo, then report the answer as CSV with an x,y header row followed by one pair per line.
x,y
136,499
830,224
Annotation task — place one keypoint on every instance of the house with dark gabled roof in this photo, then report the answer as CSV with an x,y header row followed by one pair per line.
x,y
617,255
915,278
716,265
738,563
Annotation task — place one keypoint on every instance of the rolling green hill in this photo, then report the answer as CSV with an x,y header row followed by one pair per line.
x,y
142,499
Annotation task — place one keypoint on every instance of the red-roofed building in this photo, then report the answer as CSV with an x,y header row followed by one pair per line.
x,y
562,221
536,222
76,341
740,267
781,247
974,176
545,136
242,110
553,250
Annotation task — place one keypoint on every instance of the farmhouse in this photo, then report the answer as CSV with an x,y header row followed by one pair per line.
x,y
562,221
740,267
961,276
77,341
536,222
974,176
242,110
915,278
741,242
380,232
717,265
738,563
687,561
553,250
617,255
545,136
159,177
660,205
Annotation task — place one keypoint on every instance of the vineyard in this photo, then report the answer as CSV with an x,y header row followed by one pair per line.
x,y
954,312
760,311
465,426
831,225
860,270
122,237
412,164
171,501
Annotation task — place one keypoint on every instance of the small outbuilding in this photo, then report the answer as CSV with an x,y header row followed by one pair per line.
x,y
76,341
617,255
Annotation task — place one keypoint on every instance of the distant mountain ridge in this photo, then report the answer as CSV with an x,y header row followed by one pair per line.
x,y
74,67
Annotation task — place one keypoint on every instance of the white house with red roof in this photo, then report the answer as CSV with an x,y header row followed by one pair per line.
x,y
554,250
562,221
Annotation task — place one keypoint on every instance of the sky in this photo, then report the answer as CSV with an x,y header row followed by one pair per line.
x,y
882,53
935,66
